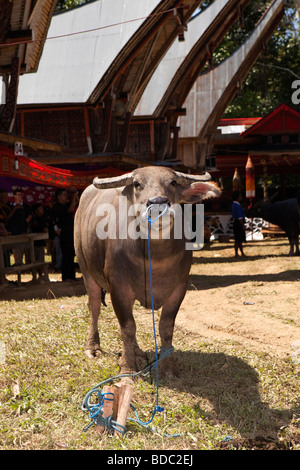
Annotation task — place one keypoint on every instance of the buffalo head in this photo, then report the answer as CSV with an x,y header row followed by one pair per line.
x,y
156,185
161,188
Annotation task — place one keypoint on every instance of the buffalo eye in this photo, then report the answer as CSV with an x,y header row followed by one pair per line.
x,y
136,184
173,183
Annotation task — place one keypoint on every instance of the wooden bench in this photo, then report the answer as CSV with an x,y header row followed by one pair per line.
x,y
22,268
25,241
272,230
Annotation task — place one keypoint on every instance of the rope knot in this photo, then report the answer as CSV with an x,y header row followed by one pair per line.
x,y
159,409
165,352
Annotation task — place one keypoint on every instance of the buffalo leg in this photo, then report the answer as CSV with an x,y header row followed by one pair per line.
x,y
296,245
123,305
166,329
94,294
291,242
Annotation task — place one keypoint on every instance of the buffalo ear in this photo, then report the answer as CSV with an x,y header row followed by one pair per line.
x,y
196,192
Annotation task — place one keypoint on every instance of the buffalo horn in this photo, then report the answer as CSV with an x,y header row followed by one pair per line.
x,y
115,182
185,179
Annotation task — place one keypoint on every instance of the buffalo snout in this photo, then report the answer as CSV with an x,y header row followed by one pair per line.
x,y
158,200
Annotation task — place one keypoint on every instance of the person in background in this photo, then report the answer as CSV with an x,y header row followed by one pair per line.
x,y
64,210
239,230
18,221
56,228
39,224
4,212
49,215
4,207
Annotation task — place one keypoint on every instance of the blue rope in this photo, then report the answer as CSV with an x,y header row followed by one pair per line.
x,y
150,222
95,411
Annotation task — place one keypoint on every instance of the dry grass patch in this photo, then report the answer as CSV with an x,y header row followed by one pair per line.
x,y
232,392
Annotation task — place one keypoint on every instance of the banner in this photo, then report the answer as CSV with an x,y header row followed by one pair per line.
x,y
250,179
37,181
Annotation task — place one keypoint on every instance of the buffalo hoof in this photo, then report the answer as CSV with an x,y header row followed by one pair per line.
x,y
168,374
129,367
127,370
135,364
169,369
141,359
93,353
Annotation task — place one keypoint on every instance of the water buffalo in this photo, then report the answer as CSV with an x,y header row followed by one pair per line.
x,y
285,214
118,263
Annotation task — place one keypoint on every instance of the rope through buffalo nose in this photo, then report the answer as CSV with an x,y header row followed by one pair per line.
x,y
151,221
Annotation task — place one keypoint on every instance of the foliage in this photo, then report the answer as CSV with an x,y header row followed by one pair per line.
x,y
67,4
269,83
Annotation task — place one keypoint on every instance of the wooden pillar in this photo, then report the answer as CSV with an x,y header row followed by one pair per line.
x,y
265,179
5,14
107,121
126,127
283,185
175,131
9,112
152,141
87,129
22,116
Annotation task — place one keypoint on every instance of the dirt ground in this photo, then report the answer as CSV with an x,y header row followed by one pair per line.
x,y
252,302
248,305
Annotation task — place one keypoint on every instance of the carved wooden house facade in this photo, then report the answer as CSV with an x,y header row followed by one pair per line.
x,y
115,86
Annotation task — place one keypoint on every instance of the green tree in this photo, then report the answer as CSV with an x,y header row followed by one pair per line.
x,y
67,4
269,83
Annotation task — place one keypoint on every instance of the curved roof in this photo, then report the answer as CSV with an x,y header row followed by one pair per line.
x,y
177,72
21,21
206,104
90,48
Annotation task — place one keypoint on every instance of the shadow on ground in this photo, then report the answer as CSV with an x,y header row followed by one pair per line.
x,y
46,290
232,388
204,281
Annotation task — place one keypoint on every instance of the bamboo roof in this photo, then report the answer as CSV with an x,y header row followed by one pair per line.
x,y
104,47
213,91
177,72
23,25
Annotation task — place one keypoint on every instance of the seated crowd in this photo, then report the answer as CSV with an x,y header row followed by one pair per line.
x,y
55,217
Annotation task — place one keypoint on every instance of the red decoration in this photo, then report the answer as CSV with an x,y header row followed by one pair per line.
x,y
250,179
30,170
45,177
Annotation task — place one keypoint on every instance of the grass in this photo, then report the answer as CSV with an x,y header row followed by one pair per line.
x,y
226,396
